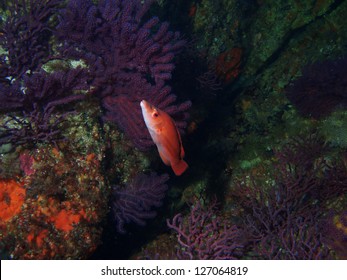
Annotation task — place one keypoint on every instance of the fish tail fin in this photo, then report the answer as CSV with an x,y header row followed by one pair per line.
x,y
179,167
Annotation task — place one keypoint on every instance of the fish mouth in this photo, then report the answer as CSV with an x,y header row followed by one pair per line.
x,y
144,104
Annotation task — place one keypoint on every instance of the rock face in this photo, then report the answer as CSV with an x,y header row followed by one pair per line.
x,y
244,67
55,203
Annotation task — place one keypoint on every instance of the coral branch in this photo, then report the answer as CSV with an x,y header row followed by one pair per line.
x,y
25,35
204,235
134,203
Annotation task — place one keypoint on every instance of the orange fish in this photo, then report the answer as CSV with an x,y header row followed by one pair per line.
x,y
166,136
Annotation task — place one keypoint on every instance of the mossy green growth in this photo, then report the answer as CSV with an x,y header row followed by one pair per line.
x,y
295,26
4,11
161,3
9,164
248,164
86,135
5,148
196,189
82,129
216,24
123,160
63,65
2,51
334,129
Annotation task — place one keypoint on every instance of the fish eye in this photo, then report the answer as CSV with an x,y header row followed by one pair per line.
x,y
155,115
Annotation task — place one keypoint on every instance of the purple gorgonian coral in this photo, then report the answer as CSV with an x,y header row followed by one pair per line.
x,y
35,114
34,103
129,59
25,36
135,202
204,235
283,215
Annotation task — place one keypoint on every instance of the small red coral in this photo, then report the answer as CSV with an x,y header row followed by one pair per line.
x,y
192,11
37,238
66,219
12,196
228,64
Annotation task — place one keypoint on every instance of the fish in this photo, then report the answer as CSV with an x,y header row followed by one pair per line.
x,y
166,137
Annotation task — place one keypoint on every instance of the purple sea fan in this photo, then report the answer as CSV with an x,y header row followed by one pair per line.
x,y
11,97
282,215
113,32
129,60
204,235
320,89
25,35
134,203
36,117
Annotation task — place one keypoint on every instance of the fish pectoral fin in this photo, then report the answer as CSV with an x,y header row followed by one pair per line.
x,y
158,131
182,152
180,141
164,159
